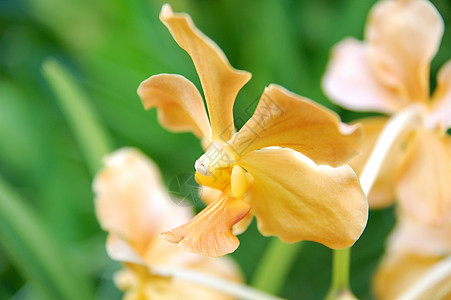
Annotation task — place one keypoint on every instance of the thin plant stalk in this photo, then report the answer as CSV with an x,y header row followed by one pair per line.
x,y
275,265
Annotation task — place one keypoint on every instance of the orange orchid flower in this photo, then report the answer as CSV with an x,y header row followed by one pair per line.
x,y
286,166
387,73
133,206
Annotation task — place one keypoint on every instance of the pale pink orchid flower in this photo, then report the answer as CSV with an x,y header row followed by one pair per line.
x,y
387,73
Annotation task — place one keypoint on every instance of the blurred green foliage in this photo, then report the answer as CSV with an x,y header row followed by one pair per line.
x,y
111,46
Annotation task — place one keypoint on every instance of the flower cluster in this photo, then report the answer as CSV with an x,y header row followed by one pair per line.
x,y
389,72
286,166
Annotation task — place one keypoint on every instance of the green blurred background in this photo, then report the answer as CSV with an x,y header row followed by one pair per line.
x,y
110,46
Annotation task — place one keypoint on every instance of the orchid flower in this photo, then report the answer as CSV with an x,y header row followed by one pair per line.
x,y
133,206
389,72
286,166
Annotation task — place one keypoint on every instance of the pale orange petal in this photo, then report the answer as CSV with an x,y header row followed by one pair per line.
x,y
130,200
350,82
288,120
220,81
399,271
403,37
441,105
120,250
209,233
180,106
424,188
423,239
384,190
295,199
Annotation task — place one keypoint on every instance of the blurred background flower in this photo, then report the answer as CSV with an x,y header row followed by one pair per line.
x,y
47,219
134,207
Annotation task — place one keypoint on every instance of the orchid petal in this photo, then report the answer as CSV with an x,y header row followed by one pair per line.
x,y
288,120
441,104
350,82
383,192
220,81
295,199
209,233
210,195
130,200
180,106
424,188
120,250
403,37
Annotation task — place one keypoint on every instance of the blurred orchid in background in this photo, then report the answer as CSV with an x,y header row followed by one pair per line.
x,y
387,73
134,207
309,196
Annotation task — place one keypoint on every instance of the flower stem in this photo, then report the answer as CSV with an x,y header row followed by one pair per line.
x,y
399,125
275,265
231,288
340,288
341,263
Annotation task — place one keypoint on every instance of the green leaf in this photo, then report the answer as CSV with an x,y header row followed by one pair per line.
x,y
91,136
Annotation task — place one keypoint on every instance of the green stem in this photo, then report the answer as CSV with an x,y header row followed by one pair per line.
x,y
275,266
340,288
341,263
